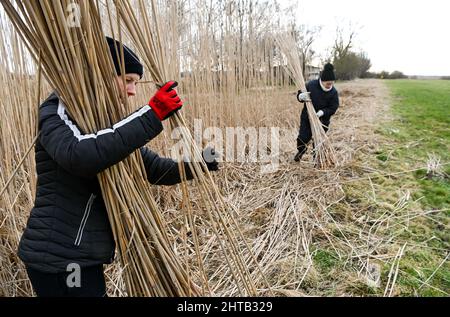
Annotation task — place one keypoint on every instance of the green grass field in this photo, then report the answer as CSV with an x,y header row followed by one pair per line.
x,y
422,122
422,118
420,127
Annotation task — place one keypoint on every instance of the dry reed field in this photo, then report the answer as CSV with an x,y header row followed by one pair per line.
x,y
242,231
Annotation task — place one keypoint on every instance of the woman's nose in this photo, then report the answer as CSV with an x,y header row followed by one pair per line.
x,y
131,90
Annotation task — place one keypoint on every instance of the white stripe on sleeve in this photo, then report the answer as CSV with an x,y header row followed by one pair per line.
x,y
76,132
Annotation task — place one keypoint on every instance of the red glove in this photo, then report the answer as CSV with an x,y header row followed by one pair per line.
x,y
166,101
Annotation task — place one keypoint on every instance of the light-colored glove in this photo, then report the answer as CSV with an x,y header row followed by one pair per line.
x,y
303,96
320,113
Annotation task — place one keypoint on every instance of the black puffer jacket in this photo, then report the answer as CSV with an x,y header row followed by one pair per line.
x,y
327,101
69,222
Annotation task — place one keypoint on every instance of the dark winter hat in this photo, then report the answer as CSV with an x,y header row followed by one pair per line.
x,y
132,62
328,73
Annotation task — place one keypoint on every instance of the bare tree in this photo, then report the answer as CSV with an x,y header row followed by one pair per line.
x,y
348,64
343,42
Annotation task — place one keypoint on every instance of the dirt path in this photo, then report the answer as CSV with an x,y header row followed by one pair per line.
x,y
369,98
364,105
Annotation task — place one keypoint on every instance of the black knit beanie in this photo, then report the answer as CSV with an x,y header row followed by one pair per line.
x,y
328,73
132,62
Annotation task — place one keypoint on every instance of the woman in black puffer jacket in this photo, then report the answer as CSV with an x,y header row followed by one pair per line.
x,y
68,230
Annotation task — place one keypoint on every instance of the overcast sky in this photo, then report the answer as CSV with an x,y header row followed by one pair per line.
x,y
409,36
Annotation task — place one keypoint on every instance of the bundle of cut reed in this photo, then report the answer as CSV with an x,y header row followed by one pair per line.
x,y
156,49
324,154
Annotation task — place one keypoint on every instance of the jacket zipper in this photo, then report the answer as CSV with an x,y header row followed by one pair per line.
x,y
84,220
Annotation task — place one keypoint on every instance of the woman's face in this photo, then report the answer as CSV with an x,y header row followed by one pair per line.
x,y
328,84
127,89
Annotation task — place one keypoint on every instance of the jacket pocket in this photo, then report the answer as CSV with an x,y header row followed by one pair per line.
x,y
84,220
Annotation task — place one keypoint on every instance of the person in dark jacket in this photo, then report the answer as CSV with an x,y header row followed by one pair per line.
x,y
325,99
68,227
